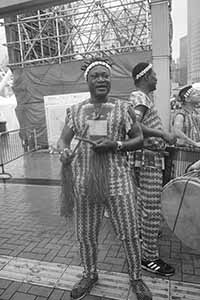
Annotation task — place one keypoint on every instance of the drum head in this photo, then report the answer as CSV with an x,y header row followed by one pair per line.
x,y
181,209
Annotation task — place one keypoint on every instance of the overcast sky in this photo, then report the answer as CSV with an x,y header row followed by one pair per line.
x,y
179,16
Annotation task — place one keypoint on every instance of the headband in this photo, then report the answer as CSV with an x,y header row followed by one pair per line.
x,y
139,75
94,64
187,94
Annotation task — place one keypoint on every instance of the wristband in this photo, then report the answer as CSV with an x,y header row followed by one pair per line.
x,y
119,145
64,150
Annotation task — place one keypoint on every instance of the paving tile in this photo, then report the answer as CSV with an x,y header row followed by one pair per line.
x,y
22,296
4,260
197,271
188,268
159,287
66,296
56,294
113,250
40,291
112,285
17,250
4,283
5,251
32,271
51,255
91,297
31,255
186,291
191,278
24,287
9,292
114,261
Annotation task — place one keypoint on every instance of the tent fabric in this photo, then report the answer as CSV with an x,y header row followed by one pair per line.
x,y
32,83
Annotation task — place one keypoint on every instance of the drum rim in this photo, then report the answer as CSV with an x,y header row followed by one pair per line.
x,y
184,177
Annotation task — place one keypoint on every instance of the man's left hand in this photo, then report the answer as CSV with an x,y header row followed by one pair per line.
x,y
170,138
105,145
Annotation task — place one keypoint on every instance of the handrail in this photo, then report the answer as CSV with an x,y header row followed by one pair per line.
x,y
12,146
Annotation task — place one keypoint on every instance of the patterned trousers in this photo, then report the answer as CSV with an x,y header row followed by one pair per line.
x,y
122,212
149,209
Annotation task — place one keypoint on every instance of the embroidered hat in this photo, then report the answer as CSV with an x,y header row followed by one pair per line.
x,y
93,62
185,92
140,70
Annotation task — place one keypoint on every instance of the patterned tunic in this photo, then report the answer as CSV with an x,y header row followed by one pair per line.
x,y
118,123
152,120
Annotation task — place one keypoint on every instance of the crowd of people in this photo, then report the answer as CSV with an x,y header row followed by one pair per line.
x,y
118,166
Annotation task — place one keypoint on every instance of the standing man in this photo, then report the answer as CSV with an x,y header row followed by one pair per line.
x,y
148,164
102,176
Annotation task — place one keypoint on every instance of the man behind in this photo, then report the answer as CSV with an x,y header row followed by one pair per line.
x,y
102,176
148,165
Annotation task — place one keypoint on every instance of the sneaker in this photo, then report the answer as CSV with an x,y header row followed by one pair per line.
x,y
84,286
141,290
158,266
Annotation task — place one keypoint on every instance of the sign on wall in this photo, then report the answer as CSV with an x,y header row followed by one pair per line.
x,y
55,111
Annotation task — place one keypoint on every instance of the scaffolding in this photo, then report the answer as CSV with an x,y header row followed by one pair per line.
x,y
75,30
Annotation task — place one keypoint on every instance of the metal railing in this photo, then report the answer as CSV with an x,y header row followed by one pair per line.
x,y
12,146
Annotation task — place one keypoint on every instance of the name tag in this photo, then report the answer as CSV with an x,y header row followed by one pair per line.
x,y
97,127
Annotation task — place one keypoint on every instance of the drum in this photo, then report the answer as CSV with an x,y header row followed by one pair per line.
x,y
180,200
178,160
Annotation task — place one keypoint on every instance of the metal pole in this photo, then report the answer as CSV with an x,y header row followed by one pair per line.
x,y
20,41
58,38
35,139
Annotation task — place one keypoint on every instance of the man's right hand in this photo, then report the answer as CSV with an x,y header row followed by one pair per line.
x,y
66,156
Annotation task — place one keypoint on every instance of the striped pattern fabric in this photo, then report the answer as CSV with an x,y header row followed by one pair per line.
x,y
191,126
149,210
151,118
120,198
118,124
150,178
122,212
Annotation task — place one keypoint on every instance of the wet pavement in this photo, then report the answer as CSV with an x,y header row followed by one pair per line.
x,y
39,257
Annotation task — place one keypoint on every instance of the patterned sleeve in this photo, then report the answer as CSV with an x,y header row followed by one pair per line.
x,y
179,112
139,98
130,117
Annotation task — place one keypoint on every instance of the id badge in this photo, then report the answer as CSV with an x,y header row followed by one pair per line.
x,y
97,127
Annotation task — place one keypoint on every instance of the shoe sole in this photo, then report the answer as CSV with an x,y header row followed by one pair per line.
x,y
86,293
80,297
156,272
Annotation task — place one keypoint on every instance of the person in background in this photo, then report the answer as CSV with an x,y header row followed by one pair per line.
x,y
186,121
102,175
148,165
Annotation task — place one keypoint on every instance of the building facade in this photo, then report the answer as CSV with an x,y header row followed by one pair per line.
x,y
183,61
193,41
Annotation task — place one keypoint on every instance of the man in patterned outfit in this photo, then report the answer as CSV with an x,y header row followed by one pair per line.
x,y
148,164
102,176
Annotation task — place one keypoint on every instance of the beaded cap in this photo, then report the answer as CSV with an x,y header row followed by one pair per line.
x,y
143,72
